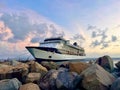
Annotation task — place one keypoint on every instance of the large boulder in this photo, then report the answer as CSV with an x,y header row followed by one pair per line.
x,y
36,67
47,82
67,80
14,69
60,79
29,86
20,70
106,62
78,67
49,65
116,85
33,77
5,71
96,78
10,84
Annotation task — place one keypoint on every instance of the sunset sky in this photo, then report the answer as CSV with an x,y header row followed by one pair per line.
x,y
94,24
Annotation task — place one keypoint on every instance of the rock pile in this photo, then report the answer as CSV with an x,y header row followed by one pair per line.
x,y
32,75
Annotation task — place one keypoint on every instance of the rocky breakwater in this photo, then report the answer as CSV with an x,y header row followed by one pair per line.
x,y
101,75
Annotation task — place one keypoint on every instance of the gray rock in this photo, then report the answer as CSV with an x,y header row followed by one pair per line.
x,y
60,79
96,78
10,84
67,80
118,65
14,63
64,65
47,82
106,62
116,85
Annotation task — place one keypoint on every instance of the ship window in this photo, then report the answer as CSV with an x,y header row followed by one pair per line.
x,y
50,56
49,45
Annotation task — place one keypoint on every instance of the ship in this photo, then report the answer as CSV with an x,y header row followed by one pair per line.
x,y
57,49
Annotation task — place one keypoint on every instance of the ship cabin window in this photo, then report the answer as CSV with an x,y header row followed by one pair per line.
x,y
51,45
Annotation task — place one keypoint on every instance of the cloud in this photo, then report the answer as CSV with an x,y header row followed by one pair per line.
x,y
91,27
78,37
21,23
95,43
22,28
5,32
113,38
100,38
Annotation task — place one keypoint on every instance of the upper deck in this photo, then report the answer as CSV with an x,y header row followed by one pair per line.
x,y
58,42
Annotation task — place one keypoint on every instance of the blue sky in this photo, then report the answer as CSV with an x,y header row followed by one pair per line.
x,y
63,11
95,24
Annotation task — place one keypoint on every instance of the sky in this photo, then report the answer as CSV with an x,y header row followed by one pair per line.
x,y
93,24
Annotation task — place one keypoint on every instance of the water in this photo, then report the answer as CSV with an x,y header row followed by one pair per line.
x,y
115,60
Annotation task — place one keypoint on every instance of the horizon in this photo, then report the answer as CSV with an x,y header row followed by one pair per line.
x,y
95,25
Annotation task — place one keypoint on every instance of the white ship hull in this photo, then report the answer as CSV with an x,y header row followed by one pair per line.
x,y
52,56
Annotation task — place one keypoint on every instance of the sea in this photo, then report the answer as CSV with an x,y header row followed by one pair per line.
x,y
87,60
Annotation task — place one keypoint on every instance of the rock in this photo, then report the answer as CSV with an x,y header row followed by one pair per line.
x,y
17,70
78,67
36,67
5,68
67,80
19,67
33,77
106,62
118,65
60,79
96,78
49,65
20,71
14,63
47,82
116,85
62,69
29,86
64,65
5,71
10,84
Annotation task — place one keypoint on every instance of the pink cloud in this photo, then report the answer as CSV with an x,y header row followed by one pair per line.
x,y
5,32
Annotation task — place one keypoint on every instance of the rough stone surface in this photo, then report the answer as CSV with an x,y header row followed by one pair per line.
x,y
60,79
29,86
106,62
64,65
18,70
67,80
36,67
116,85
5,71
47,82
10,84
33,77
96,78
118,65
78,67
49,65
